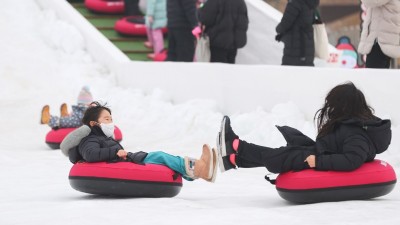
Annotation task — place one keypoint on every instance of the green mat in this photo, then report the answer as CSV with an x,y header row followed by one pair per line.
x,y
132,46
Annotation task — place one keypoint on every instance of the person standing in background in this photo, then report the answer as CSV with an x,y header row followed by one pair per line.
x,y
380,36
132,8
296,32
226,23
182,19
156,19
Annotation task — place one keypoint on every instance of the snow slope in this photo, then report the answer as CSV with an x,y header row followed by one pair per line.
x,y
44,61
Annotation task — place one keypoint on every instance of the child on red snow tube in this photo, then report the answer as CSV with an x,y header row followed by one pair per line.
x,y
68,120
93,142
348,136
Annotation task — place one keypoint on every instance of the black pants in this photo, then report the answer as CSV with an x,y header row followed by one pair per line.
x,y
223,55
132,8
276,160
377,59
181,45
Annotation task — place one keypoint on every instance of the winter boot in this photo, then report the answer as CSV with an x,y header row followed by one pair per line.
x,y
226,138
201,168
45,117
64,110
214,166
224,162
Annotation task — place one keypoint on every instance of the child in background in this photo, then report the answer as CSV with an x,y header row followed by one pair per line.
x,y
156,19
68,120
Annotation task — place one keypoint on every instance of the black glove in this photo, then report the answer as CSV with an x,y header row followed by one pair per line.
x,y
278,37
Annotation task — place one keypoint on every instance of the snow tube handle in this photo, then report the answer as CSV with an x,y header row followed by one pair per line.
x,y
269,179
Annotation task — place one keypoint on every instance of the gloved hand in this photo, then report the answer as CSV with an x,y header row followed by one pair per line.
x,y
278,37
196,32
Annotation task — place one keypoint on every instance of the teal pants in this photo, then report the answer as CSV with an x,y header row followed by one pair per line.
x,y
175,163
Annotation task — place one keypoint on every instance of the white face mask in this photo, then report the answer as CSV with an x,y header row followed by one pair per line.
x,y
107,128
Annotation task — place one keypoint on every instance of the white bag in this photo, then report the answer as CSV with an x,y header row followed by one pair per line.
x,y
321,42
203,53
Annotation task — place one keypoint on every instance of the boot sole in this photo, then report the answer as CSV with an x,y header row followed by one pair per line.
x,y
220,160
215,162
222,144
211,169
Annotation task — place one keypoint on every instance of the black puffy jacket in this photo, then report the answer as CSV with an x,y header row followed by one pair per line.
x,y
351,144
297,32
181,14
97,147
226,23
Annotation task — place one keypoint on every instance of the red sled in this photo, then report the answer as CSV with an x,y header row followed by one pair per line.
x,y
125,179
371,180
133,26
105,6
55,137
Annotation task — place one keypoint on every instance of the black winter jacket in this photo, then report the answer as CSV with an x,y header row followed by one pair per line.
x,y
351,144
226,23
97,147
297,32
181,14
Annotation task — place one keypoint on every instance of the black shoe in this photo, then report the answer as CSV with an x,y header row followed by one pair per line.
x,y
224,163
226,137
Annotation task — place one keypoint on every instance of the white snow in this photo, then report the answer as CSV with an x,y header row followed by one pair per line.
x,y
43,61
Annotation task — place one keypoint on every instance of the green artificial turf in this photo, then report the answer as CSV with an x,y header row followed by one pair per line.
x,y
132,46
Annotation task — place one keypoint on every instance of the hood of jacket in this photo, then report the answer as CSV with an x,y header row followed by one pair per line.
x,y
378,130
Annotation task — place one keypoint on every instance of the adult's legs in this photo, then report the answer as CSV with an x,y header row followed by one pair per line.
x,y
377,59
185,45
231,57
172,45
219,55
132,7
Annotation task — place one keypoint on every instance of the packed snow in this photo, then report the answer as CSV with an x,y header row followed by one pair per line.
x,y
44,61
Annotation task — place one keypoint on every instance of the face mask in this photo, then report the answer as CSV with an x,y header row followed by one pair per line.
x,y
107,128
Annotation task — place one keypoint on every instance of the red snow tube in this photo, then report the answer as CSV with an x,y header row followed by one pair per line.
x,y
105,6
125,179
55,137
371,180
132,25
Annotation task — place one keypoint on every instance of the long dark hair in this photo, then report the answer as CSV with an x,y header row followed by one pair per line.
x,y
342,102
93,112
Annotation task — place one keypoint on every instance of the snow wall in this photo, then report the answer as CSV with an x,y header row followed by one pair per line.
x,y
237,88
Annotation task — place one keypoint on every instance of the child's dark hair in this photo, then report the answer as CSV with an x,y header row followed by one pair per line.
x,y
343,102
93,112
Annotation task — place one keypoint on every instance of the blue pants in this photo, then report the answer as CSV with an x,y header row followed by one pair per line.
x,y
175,163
